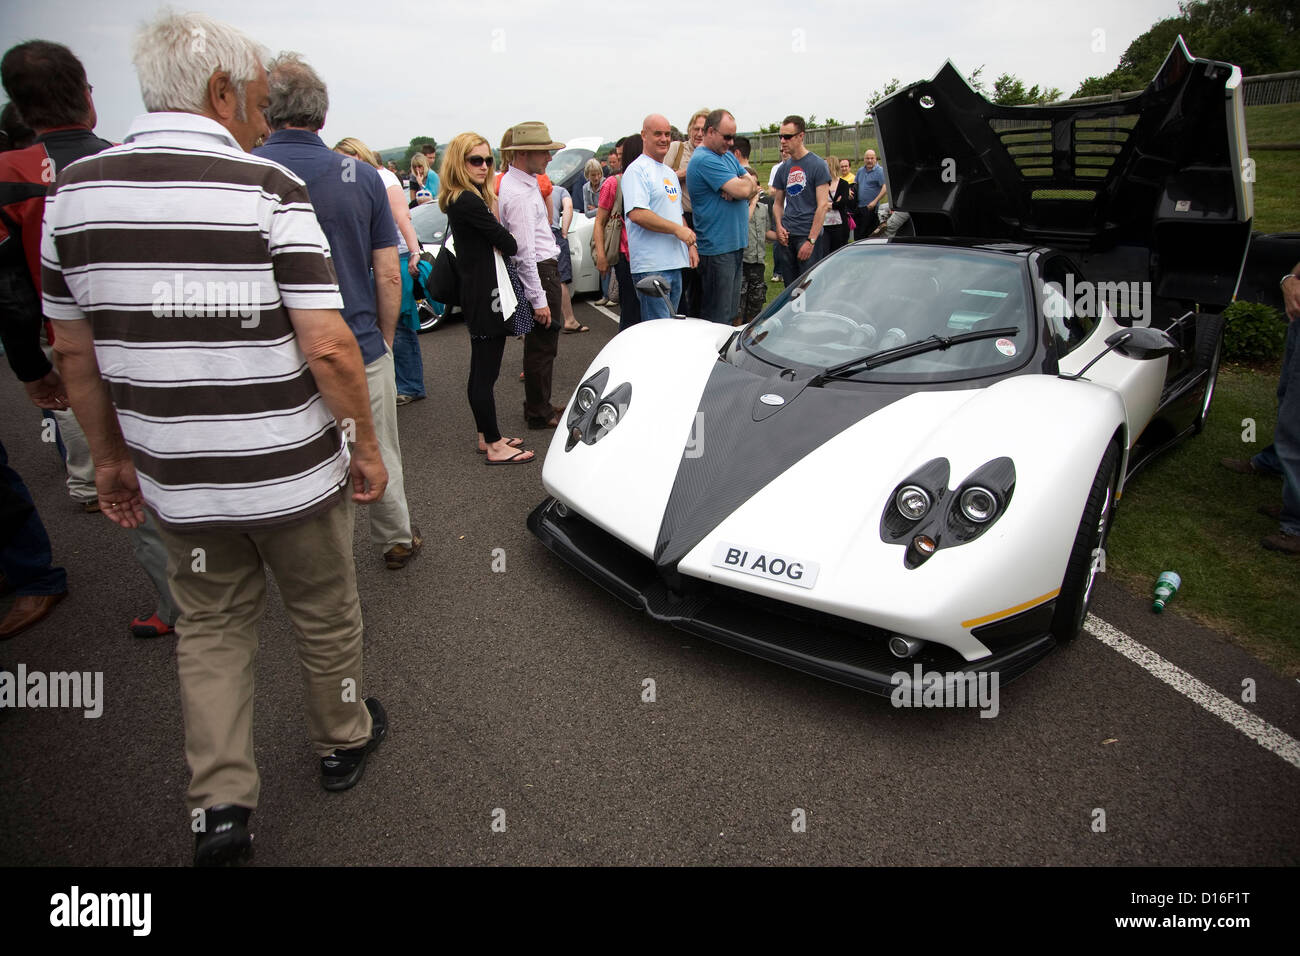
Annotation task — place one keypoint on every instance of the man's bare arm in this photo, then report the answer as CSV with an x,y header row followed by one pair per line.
x,y
823,207
74,348
388,289
778,207
656,223
741,187
335,360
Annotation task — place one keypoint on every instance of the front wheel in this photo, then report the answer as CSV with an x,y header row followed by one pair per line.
x,y
1087,557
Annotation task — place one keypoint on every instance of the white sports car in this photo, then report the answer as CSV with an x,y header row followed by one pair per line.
x,y
914,454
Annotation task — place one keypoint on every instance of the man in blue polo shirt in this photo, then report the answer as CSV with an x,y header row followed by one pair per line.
x,y
871,191
352,207
720,191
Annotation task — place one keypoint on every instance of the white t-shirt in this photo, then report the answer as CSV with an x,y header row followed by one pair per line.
x,y
651,185
390,179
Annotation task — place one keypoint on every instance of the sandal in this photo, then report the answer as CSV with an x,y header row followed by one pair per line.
x,y
512,442
516,459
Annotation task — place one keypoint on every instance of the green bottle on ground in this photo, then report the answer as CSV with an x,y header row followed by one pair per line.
x,y
1167,586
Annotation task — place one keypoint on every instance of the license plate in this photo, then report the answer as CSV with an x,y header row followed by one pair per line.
x,y
765,564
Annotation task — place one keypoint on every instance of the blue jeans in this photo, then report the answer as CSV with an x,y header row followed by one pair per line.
x,y
720,286
408,364
652,306
25,557
1286,436
1267,459
797,268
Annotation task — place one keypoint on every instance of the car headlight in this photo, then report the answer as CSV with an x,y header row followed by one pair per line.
x,y
978,504
586,397
606,415
912,502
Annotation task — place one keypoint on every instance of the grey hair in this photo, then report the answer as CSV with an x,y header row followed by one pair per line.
x,y
176,55
592,166
298,95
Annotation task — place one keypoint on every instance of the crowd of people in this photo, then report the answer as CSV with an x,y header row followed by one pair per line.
x,y
230,306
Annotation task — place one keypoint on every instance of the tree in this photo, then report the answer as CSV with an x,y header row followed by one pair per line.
x,y
1257,35
889,89
1009,90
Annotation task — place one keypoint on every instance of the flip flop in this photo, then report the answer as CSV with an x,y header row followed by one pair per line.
x,y
515,459
580,328
512,442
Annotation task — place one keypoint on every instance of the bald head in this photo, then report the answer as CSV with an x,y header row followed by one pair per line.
x,y
656,134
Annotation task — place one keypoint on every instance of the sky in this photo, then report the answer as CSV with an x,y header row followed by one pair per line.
x,y
398,69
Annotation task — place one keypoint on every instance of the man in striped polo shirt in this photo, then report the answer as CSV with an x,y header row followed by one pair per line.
x,y
193,290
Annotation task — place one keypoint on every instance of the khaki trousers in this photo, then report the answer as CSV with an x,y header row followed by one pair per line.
x,y
390,519
219,582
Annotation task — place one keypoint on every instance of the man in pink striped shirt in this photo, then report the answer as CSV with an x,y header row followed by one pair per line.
x,y
523,212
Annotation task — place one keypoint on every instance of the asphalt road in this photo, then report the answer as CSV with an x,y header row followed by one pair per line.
x,y
516,696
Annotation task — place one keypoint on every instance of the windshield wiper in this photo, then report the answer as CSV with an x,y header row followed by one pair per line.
x,y
931,344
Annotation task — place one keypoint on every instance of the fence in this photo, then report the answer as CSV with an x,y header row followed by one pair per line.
x,y
851,142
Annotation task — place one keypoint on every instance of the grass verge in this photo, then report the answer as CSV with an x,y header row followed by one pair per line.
x,y
1185,512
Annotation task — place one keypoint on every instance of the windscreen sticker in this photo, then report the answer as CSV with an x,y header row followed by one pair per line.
x,y
1006,346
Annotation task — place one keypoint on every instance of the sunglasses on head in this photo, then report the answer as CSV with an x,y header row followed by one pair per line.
x,y
479,160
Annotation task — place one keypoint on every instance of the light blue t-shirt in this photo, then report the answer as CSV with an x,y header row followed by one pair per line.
x,y
721,225
652,185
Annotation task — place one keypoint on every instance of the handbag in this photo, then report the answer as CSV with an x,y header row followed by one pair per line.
x,y
444,279
521,320
613,228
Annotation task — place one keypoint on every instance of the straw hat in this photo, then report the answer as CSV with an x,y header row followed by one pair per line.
x,y
524,136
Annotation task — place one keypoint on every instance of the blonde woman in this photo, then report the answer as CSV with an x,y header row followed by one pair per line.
x,y
467,197
836,223
420,181
407,361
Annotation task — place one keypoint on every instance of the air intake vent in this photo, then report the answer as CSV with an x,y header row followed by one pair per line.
x,y
1094,145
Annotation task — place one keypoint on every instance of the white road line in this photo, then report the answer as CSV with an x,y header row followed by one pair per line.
x,y
1226,709
613,316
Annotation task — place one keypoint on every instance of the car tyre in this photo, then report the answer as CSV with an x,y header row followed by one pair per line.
x,y
1209,353
1087,556
429,320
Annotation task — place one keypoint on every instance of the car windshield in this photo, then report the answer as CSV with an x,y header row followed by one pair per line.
x,y
872,297
430,223
567,162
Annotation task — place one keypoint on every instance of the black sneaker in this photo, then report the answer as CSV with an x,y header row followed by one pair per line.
x,y
342,769
225,840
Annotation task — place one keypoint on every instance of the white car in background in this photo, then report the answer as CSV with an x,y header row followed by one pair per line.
x,y
566,169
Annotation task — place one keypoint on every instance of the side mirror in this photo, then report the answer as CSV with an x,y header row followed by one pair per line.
x,y
654,285
1143,343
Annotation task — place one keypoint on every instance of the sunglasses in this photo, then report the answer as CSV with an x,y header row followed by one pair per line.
x,y
789,135
729,139
479,160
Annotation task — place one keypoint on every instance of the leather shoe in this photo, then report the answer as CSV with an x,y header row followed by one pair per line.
x,y
395,558
1286,543
28,609
342,769
1244,466
539,423
225,840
